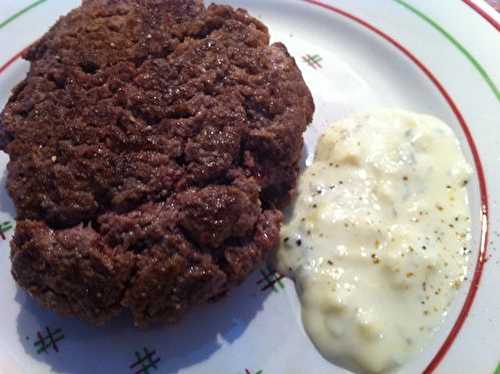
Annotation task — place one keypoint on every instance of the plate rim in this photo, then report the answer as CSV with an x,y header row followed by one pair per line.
x,y
485,214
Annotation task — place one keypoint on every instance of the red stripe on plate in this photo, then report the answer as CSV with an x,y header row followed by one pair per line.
x,y
483,13
12,60
480,172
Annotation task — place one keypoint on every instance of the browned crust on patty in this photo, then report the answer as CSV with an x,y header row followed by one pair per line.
x,y
151,145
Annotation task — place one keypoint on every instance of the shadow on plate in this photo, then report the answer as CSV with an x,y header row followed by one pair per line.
x,y
6,205
68,345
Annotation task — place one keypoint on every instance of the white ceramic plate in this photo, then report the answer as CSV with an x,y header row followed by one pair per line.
x,y
429,56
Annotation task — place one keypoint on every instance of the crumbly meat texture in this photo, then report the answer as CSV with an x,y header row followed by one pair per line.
x,y
151,145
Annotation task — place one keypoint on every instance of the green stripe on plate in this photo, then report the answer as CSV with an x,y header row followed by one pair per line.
x,y
497,371
457,44
20,13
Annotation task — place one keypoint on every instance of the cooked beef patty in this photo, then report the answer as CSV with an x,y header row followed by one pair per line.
x,y
151,146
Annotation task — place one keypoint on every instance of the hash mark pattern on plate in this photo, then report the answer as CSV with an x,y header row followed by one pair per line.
x,y
145,362
48,340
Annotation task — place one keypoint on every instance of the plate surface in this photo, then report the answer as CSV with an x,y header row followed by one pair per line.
x,y
354,55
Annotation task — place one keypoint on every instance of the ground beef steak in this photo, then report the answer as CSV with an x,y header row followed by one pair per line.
x,y
151,146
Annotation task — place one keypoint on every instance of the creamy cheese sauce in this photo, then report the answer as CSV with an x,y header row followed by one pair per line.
x,y
377,240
